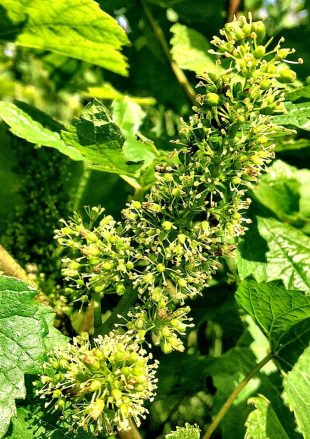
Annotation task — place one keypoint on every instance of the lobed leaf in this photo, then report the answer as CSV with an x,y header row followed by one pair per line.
x,y
99,140
275,309
288,257
129,116
26,335
76,29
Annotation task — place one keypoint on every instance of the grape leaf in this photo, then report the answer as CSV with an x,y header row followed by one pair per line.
x,y
33,421
187,432
76,29
25,335
23,125
288,257
297,390
128,115
263,423
297,93
297,115
284,191
275,309
97,137
190,50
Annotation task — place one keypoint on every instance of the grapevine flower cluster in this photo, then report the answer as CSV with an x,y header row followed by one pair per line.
x,y
99,257
102,386
167,248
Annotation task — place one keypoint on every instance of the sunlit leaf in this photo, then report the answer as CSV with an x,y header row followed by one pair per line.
x,y
78,30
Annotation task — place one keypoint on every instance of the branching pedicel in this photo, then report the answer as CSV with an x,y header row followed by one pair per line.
x,y
169,247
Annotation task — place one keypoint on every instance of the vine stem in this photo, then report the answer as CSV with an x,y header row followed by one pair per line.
x,y
229,402
133,433
179,74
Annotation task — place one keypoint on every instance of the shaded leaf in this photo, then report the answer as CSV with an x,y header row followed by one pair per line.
x,y
288,257
285,192
97,137
263,423
190,50
26,334
227,372
275,309
129,116
78,30
297,390
23,125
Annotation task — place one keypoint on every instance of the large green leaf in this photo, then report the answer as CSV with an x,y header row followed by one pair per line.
x,y
76,29
35,129
275,309
129,116
263,423
297,115
25,337
297,392
190,50
288,257
99,140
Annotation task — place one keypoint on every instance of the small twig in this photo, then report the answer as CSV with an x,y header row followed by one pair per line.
x,y
133,433
179,74
229,402
10,267
232,9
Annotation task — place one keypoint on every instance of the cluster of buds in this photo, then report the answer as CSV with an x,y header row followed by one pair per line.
x,y
99,388
99,256
242,43
166,327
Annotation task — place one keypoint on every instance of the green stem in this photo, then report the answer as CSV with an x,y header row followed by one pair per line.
x,y
126,301
230,400
97,311
84,179
178,73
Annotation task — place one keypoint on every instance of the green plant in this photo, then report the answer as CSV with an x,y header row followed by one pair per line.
x,y
138,286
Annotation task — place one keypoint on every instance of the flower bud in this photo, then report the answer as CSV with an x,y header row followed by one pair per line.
x,y
167,225
213,99
260,30
259,52
286,76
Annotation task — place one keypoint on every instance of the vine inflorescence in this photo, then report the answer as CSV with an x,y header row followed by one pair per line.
x,y
169,247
